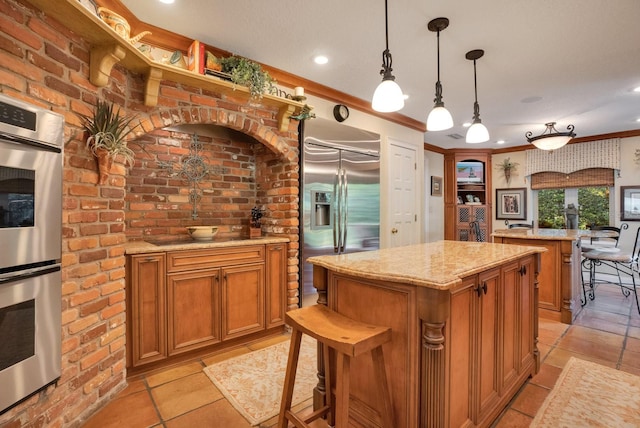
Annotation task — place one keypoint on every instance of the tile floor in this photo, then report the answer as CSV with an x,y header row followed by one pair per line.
x,y
606,331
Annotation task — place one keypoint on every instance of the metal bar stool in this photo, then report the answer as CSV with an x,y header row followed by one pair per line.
x,y
348,338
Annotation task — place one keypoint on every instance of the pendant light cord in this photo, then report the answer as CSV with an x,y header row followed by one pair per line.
x,y
387,61
476,107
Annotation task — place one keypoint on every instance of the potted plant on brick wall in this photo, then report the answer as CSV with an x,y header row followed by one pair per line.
x,y
107,130
248,73
255,229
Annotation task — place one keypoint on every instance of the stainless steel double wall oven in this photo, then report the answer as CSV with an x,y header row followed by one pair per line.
x,y
31,144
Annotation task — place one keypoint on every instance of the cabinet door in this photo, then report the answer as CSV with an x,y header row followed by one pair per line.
x,y
509,319
461,331
276,284
487,343
242,300
193,309
527,313
147,322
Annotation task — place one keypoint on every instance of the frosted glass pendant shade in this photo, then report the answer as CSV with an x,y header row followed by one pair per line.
x,y
477,133
551,143
439,119
388,97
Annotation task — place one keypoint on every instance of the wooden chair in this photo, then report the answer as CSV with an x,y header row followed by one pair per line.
x,y
348,338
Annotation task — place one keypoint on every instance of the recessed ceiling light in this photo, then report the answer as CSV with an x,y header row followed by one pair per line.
x,y
500,142
167,1
636,89
466,124
321,59
638,119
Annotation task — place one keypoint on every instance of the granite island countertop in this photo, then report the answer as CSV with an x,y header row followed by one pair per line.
x,y
550,234
440,265
144,247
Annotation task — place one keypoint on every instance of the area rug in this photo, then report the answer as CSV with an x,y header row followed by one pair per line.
x,y
253,382
591,395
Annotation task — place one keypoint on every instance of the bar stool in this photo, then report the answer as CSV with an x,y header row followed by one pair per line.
x,y
348,338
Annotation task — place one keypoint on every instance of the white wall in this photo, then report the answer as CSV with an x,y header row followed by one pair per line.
x,y
434,205
387,130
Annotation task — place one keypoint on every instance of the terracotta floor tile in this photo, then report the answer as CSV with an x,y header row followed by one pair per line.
x,y
134,385
593,335
558,357
597,350
631,358
118,413
207,361
184,394
169,375
530,399
634,332
632,344
513,419
547,376
544,350
217,414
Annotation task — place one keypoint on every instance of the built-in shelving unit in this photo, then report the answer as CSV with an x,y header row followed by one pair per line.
x,y
109,49
468,195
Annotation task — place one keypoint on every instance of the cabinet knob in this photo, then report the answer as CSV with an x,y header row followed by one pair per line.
x,y
523,270
394,230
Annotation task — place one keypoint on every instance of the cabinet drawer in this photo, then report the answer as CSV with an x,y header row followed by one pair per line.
x,y
179,261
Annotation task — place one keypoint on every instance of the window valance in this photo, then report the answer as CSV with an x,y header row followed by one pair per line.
x,y
575,157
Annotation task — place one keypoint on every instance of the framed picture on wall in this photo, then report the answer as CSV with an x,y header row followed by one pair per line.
x,y
436,186
511,204
630,203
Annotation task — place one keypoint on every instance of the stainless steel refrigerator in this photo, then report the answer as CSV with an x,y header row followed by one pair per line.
x,y
340,200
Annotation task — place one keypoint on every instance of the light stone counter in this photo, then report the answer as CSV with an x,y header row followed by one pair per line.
x,y
439,265
551,234
144,247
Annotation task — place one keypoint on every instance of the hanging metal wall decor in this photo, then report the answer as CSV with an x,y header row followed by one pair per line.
x,y
194,168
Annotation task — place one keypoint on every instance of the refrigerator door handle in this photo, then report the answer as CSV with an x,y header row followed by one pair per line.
x,y
336,211
345,210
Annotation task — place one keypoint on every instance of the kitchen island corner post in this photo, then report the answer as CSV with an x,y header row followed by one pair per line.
x,y
537,260
433,355
320,275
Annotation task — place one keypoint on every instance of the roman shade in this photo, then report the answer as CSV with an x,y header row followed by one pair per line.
x,y
575,157
591,177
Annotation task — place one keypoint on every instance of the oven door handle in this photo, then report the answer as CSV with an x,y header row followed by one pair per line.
x,y
21,275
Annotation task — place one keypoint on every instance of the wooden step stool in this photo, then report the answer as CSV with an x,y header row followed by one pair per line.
x,y
348,338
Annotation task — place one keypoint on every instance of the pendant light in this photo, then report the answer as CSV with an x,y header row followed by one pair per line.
x,y
388,96
477,132
439,119
551,139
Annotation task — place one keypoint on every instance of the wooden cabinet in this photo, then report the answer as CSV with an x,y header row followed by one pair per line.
x,y
276,275
146,322
465,214
560,280
467,191
186,300
193,310
492,341
458,355
242,300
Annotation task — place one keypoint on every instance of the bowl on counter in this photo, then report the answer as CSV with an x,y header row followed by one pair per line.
x,y
202,233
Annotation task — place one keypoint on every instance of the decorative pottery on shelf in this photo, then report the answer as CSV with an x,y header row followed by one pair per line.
x,y
119,25
202,233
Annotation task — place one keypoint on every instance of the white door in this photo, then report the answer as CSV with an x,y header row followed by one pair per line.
x,y
403,207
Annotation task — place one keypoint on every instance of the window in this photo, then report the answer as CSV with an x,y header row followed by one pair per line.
x,y
594,204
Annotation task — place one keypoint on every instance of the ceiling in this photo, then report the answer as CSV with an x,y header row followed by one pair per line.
x,y
567,61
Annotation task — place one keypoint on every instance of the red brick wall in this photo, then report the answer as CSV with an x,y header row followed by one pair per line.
x,y
43,63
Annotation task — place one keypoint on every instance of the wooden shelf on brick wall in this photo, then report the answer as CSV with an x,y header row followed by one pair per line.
x,y
109,49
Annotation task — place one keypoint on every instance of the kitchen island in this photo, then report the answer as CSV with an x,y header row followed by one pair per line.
x,y
560,280
464,327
